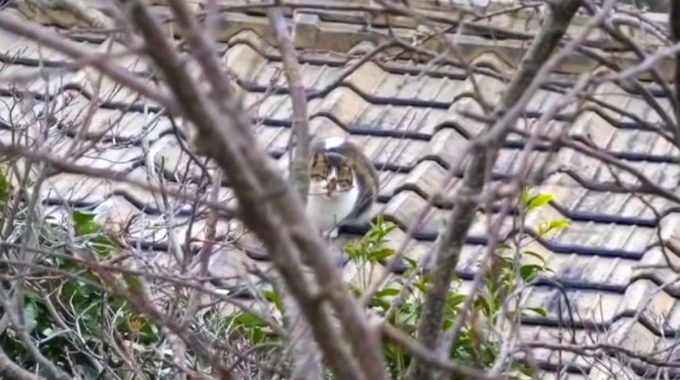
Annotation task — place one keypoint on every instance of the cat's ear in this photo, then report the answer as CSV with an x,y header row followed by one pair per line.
x,y
315,145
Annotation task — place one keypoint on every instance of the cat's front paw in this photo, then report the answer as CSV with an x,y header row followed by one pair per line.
x,y
328,234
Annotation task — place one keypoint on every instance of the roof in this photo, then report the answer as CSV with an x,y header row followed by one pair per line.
x,y
406,114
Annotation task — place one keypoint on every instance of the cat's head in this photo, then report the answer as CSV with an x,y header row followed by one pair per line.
x,y
331,172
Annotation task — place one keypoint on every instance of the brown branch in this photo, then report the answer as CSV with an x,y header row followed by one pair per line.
x,y
600,349
647,64
674,22
647,185
300,122
62,165
454,50
270,208
85,57
452,239
619,36
139,299
306,363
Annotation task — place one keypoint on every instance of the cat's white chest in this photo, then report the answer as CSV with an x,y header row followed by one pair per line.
x,y
326,212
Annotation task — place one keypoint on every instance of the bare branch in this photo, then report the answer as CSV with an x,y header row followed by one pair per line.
x,y
12,370
86,58
279,220
674,22
451,240
306,363
300,122
61,165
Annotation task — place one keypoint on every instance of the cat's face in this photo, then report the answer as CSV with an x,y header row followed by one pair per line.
x,y
331,173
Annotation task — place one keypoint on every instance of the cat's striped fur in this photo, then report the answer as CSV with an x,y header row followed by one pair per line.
x,y
343,183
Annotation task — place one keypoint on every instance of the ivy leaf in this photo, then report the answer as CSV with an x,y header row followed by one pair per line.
x,y
250,325
87,227
84,223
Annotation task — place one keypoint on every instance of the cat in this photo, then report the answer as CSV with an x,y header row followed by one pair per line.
x,y
343,183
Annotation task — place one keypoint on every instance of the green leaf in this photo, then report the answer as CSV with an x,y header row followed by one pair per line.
x,y
409,314
534,254
140,327
247,320
539,200
117,302
412,264
5,187
380,254
454,300
530,271
559,224
387,292
149,330
274,298
380,229
552,225
423,284
250,326
381,303
502,246
84,223
87,227
133,283
485,305
538,310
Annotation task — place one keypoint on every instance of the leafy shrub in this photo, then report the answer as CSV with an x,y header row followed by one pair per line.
x,y
82,315
512,266
79,317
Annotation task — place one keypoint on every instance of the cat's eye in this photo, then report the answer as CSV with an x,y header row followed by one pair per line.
x,y
345,184
319,161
